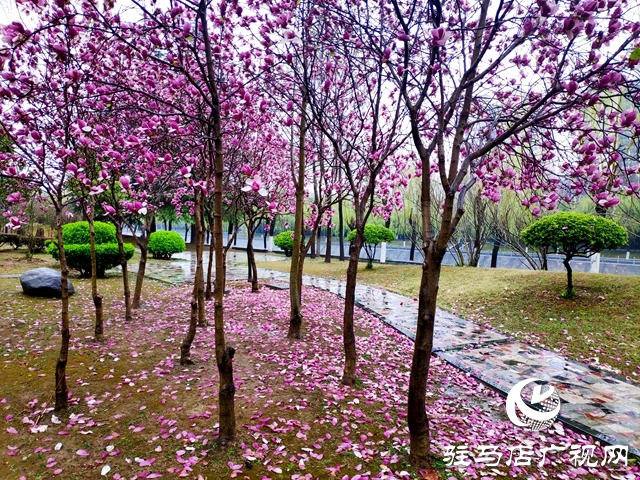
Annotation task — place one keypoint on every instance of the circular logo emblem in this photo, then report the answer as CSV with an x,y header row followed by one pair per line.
x,y
544,409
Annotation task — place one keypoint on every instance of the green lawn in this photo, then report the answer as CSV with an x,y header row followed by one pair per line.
x,y
599,326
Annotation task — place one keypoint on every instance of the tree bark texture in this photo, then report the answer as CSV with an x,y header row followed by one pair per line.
x,y
224,353
212,245
199,276
567,265
348,330
327,252
416,412
98,330
62,393
341,230
142,266
128,316
295,282
251,260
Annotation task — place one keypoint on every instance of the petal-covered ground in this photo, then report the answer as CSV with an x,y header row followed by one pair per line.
x,y
136,413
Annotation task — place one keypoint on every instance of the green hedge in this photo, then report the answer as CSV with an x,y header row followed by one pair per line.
x,y
78,250
284,241
163,244
79,256
77,233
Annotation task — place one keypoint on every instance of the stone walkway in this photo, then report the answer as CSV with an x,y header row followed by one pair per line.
x,y
594,402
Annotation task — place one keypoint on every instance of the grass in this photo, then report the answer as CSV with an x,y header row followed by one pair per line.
x,y
600,325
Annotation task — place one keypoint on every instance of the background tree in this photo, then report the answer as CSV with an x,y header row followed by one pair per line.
x,y
44,81
374,235
574,235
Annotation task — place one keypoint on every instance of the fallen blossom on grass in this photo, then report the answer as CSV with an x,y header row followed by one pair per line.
x,y
295,419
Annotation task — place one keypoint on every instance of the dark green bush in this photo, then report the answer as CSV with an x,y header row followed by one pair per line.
x,y
78,250
284,240
163,244
79,256
77,233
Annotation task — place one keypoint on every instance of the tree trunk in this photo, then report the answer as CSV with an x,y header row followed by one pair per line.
x,y
194,319
494,254
265,235
348,331
208,291
62,394
142,242
313,249
317,242
251,260
98,330
224,353
341,230
295,282
199,277
142,266
567,265
185,348
125,273
416,413
327,252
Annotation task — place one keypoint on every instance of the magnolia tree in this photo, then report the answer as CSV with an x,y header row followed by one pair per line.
x,y
336,88
44,113
359,113
496,94
186,62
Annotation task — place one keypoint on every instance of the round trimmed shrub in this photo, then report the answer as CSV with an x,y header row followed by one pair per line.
x,y
373,236
77,233
79,256
284,241
163,244
77,248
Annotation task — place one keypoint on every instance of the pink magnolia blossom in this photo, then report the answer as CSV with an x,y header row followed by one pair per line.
x,y
14,197
254,184
440,35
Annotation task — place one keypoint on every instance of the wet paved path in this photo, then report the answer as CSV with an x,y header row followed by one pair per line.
x,y
594,402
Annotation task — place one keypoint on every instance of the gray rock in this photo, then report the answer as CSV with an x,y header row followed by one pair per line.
x,y
43,282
